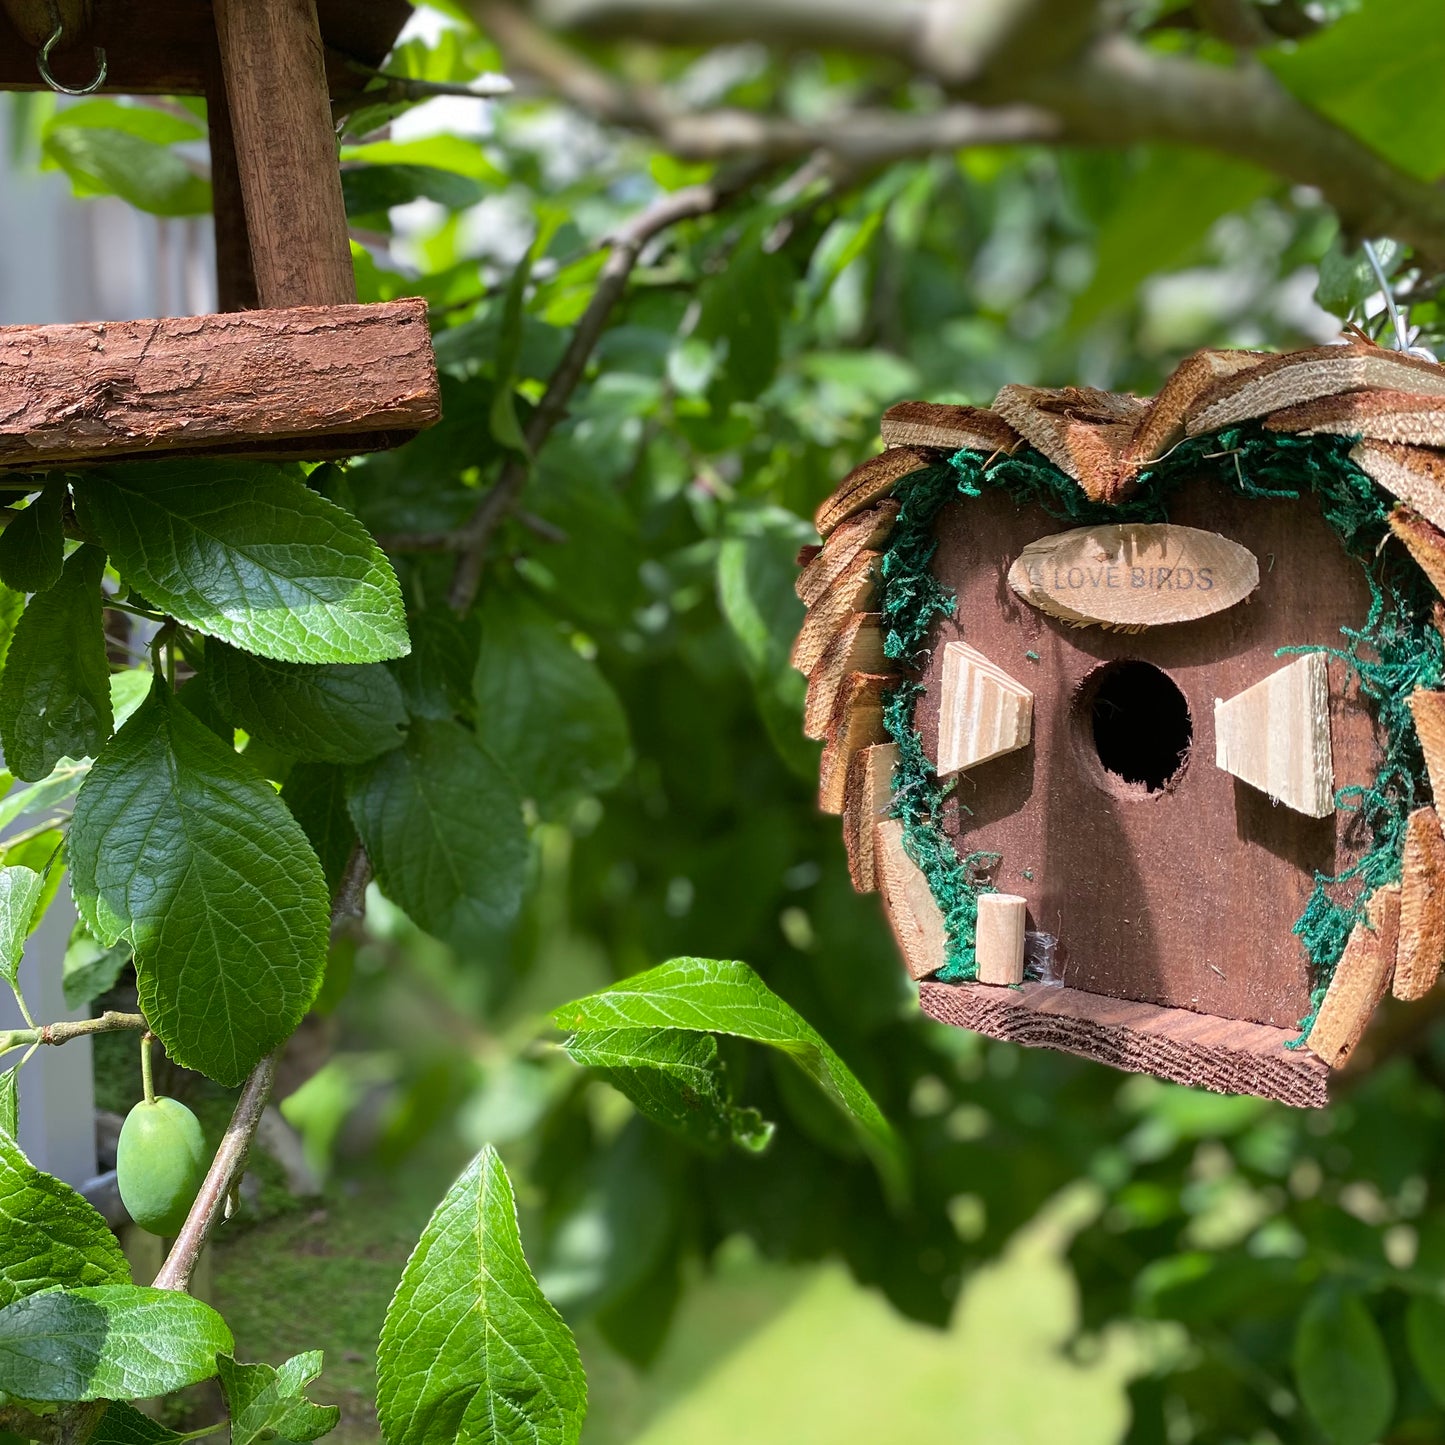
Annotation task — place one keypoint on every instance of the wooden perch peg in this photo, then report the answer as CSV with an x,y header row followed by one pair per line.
x,y
999,938
983,712
1275,736
1361,977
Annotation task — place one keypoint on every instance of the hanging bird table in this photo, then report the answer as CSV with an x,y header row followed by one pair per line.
x,y
1134,713
293,367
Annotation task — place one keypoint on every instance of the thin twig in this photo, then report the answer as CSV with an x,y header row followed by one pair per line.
x,y
224,1175
625,246
110,1022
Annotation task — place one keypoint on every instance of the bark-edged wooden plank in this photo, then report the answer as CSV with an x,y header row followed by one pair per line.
x,y
866,795
856,647
857,721
852,591
1374,415
866,530
1360,979
1224,1055
1424,542
246,381
1421,948
1080,429
908,902
947,428
869,482
1428,710
1411,475
275,70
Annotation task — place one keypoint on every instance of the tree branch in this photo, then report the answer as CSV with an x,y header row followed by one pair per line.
x,y
224,1175
625,246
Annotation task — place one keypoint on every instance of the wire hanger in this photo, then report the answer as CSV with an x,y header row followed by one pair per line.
x,y
42,60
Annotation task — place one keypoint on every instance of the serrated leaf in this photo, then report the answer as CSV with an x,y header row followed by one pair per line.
x,y
543,710
55,691
10,1103
20,890
248,553
316,795
90,968
676,1079
182,850
50,1237
373,188
32,547
154,178
108,1342
324,712
1343,1368
267,1403
703,995
1425,1335
123,1424
471,1350
443,826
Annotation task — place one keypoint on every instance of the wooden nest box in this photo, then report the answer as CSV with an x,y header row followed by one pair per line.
x,y
1133,710
293,368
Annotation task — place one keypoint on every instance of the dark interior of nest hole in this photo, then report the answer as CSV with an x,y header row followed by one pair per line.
x,y
1139,722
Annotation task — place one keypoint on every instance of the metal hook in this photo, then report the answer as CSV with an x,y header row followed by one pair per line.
x,y
42,60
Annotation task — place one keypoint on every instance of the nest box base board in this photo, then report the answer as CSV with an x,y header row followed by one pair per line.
x,y
306,382
1224,1055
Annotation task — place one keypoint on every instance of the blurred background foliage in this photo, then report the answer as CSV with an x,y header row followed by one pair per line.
x,y
1120,1260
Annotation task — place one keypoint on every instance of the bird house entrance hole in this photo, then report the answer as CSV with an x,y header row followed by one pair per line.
x,y
1136,722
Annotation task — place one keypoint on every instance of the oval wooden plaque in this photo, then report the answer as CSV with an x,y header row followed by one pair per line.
x,y
1134,575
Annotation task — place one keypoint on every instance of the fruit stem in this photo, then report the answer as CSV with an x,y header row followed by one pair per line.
x,y
147,1082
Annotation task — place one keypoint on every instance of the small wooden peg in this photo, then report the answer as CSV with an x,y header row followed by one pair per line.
x,y
983,712
1422,907
1361,978
1275,736
913,914
999,939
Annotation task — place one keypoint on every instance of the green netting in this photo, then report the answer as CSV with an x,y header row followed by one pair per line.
x,y
1395,650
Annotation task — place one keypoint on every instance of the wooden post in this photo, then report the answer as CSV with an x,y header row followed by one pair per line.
x,y
235,275
274,64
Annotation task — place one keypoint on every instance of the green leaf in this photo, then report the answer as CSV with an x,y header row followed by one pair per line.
x,y
161,126
104,162
676,1079
443,825
702,995
1347,280
370,189
248,553
544,711
1343,1368
10,1103
266,1403
325,712
32,547
12,606
108,1342
471,1351
506,429
181,849
20,890
123,1424
90,969
49,1236
316,795
1425,1335
55,691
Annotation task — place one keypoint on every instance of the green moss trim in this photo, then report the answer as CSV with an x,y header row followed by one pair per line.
x,y
1395,650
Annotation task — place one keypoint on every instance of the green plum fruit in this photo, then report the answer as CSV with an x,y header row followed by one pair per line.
x,y
160,1162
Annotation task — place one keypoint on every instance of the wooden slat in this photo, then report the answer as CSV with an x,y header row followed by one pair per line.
x,y
71,395
856,723
853,591
1200,1050
159,47
1422,907
1302,376
866,530
273,62
868,483
1410,474
1426,544
1428,710
1376,415
1081,430
857,647
982,713
235,275
1360,979
866,795
947,428
908,903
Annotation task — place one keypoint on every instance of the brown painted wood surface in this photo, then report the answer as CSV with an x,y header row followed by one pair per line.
x,y
866,796
275,69
1185,897
1422,908
908,904
96,392
1360,979
1224,1055
160,47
